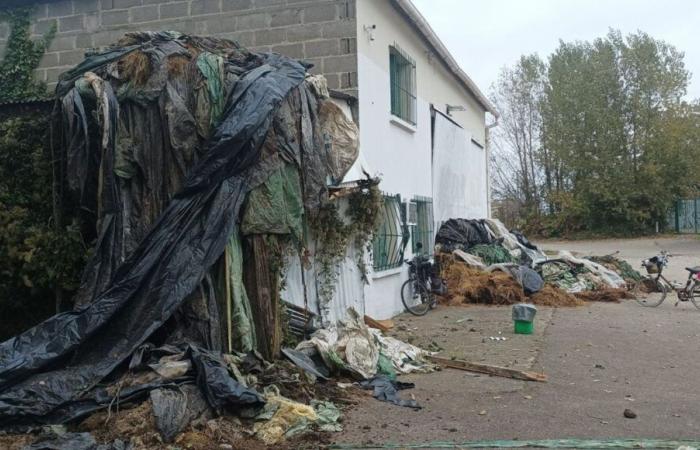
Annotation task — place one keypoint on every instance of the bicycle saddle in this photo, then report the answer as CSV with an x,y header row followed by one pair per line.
x,y
693,270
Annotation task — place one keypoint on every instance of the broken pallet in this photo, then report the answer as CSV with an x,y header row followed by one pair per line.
x,y
489,370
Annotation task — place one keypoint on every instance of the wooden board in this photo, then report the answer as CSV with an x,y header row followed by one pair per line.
x,y
383,325
487,369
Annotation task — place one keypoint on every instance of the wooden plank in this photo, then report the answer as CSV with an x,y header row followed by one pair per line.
x,y
489,370
227,274
383,325
261,279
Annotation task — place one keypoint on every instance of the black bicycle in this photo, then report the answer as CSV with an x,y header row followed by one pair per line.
x,y
416,292
651,290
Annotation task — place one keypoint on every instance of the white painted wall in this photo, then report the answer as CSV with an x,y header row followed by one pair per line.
x,y
400,155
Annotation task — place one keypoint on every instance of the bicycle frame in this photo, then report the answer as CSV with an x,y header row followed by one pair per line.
x,y
683,293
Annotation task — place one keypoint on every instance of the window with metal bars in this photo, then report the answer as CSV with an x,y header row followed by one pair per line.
x,y
422,230
402,74
390,239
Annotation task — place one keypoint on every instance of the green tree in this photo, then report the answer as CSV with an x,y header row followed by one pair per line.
x,y
617,143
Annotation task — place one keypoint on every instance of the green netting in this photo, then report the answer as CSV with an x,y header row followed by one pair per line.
x,y
492,254
276,206
243,329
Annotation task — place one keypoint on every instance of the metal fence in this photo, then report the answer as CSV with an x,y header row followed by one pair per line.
x,y
684,217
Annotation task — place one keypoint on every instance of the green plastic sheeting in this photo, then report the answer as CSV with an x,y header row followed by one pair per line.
x,y
492,254
212,68
384,366
243,329
328,416
546,443
276,206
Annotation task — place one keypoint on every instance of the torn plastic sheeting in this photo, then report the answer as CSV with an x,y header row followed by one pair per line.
x,y
161,272
385,390
242,317
276,206
174,409
607,276
328,416
75,441
462,234
469,259
404,357
303,361
529,279
222,392
349,345
341,139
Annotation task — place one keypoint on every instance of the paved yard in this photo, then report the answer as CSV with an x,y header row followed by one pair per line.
x,y
600,359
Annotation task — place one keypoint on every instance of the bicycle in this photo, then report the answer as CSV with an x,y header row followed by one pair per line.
x,y
652,289
416,292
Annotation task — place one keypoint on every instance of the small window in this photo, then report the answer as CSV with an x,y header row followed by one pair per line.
x,y
402,74
389,240
422,231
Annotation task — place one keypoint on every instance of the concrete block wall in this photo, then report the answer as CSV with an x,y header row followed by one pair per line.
x,y
320,31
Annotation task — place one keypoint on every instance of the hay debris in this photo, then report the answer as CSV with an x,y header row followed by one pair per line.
x,y
466,285
135,67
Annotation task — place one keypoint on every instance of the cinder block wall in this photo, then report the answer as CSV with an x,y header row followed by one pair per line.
x,y
320,31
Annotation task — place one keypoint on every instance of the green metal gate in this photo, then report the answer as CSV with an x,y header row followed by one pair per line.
x,y
685,216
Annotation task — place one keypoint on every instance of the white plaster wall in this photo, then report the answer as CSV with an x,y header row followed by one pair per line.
x,y
402,157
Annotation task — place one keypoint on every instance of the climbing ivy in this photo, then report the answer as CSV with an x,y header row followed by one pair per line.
x,y
22,56
334,233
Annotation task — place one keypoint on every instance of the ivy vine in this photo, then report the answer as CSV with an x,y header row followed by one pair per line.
x,y
334,233
22,57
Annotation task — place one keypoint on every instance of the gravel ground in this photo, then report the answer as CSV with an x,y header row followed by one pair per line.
x,y
600,359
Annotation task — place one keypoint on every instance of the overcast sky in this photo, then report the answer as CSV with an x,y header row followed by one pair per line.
x,y
485,35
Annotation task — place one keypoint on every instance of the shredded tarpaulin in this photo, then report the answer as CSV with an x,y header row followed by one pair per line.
x,y
160,139
75,441
404,357
348,345
328,416
386,390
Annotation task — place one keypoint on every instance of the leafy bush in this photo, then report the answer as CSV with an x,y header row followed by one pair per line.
x,y
37,260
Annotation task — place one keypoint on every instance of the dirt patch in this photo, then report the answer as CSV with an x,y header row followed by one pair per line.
x,y
604,295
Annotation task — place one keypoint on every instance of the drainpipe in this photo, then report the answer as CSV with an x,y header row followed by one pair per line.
x,y
487,145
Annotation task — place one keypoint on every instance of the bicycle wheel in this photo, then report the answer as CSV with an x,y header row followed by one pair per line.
x,y
415,297
649,292
695,295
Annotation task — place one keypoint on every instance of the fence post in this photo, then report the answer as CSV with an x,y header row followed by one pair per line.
x,y
678,225
696,215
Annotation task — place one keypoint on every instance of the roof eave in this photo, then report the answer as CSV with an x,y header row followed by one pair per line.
x,y
427,32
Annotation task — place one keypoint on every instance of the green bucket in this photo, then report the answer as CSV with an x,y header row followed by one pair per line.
x,y
523,327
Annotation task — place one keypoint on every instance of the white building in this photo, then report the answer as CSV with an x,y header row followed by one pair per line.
x,y
422,128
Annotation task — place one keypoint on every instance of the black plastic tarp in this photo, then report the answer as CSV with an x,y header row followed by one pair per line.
x,y
44,370
462,234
